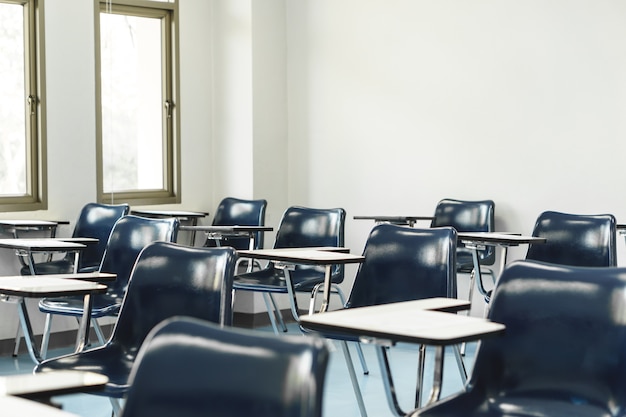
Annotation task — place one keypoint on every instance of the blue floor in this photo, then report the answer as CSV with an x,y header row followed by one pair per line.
x,y
339,399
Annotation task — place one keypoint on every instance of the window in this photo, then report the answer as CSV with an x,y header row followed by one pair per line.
x,y
137,112
22,109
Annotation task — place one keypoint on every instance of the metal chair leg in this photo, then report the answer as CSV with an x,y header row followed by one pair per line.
x,y
342,299
279,315
270,312
98,330
45,338
18,338
319,287
460,363
117,408
420,375
359,352
355,382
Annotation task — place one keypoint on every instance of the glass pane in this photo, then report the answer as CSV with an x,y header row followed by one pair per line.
x,y
132,103
12,106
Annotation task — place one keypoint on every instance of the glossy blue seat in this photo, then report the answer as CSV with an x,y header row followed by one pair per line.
x,y
189,368
299,227
167,280
575,239
563,352
95,221
401,264
235,211
129,236
469,216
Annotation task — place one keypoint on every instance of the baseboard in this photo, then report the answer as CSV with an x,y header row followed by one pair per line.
x,y
57,340
254,320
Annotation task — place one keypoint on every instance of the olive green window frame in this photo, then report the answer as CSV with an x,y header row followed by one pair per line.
x,y
36,195
168,13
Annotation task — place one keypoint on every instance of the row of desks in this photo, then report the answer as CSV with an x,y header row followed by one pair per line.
x,y
429,322
26,247
380,324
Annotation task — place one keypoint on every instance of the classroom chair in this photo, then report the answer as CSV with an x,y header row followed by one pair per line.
x,y
193,368
563,352
167,280
128,238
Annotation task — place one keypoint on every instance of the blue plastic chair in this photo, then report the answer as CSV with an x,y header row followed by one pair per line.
x,y
575,239
95,221
299,227
402,264
469,216
190,368
128,238
167,280
237,212
563,352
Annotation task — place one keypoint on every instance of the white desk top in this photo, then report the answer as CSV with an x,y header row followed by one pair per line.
x,y
311,256
395,219
85,276
31,223
50,383
228,229
40,244
501,238
403,322
170,213
46,286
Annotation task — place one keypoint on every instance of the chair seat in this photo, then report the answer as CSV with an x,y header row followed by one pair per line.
x,y
103,305
273,280
112,362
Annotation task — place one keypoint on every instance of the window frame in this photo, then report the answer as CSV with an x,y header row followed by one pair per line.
x,y
36,197
170,85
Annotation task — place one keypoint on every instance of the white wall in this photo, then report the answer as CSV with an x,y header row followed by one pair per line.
x,y
396,104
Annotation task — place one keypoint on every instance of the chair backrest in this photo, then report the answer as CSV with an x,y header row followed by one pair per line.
x,y
310,227
128,238
234,211
468,216
565,340
169,280
575,239
403,264
96,221
189,368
